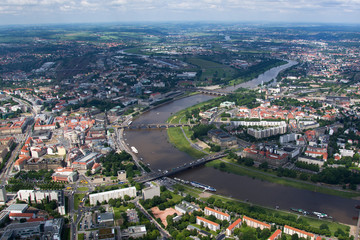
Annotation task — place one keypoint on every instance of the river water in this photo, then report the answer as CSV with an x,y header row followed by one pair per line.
x,y
155,150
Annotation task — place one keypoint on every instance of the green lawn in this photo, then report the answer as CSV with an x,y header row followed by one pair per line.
x,y
81,236
118,211
333,226
212,69
177,138
83,189
245,171
77,198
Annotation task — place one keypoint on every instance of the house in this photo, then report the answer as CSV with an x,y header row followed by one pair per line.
x,y
96,167
207,223
232,227
217,214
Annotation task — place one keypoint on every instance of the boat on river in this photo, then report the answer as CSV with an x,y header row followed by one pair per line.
x,y
203,186
321,215
299,210
134,149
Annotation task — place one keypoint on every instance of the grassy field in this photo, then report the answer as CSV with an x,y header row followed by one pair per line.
x,y
333,226
211,69
177,138
245,171
77,198
83,189
81,236
118,211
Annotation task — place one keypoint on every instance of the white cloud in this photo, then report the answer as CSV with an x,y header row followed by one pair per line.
x,y
166,9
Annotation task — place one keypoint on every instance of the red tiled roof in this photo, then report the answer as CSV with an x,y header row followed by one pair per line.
x,y
21,215
256,221
234,224
300,231
275,234
216,211
208,221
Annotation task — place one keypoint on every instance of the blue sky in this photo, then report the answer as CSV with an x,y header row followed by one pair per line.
x,y
73,11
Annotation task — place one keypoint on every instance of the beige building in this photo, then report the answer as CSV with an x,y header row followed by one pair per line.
x,y
151,191
291,231
207,223
255,223
217,214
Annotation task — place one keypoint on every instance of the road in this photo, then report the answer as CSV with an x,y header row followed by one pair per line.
x,y
163,232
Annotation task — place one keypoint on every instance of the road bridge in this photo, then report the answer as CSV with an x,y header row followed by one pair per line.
x,y
166,173
157,126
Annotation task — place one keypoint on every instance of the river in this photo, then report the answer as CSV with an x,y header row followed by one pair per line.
x,y
155,150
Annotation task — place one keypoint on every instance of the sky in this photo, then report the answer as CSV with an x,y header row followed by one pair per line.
x,y
85,11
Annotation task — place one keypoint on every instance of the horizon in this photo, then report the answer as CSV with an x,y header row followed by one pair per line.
x,y
34,12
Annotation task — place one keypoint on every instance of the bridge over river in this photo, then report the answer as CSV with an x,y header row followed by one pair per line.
x,y
157,126
155,175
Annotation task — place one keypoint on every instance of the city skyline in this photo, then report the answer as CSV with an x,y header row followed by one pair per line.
x,y
86,11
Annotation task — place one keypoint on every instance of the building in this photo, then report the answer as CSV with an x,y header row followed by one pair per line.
x,y
232,227
151,191
217,214
106,234
50,229
137,231
292,137
255,223
291,231
265,155
186,207
207,223
43,195
17,208
121,175
106,218
20,216
95,168
39,195
3,195
222,138
65,175
310,160
268,132
86,162
105,196
316,152
276,235
227,104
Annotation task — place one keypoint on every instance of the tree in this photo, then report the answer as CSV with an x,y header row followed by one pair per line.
x,y
294,237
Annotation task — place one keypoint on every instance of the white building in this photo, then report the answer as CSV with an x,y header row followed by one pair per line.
x,y
3,196
106,196
233,226
346,152
227,104
217,214
291,231
38,196
255,223
206,223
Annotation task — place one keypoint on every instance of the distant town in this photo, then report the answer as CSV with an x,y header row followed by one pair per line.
x,y
280,105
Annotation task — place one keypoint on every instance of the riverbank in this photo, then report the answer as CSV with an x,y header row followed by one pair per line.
x,y
234,168
312,221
